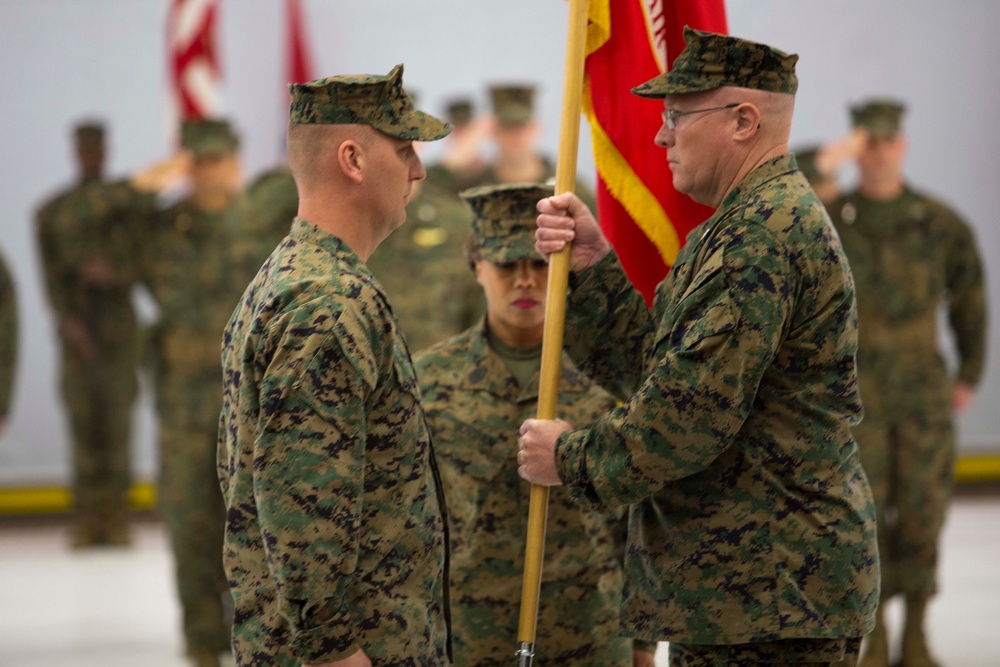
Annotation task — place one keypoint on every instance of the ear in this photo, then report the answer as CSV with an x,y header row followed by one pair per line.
x,y
747,121
351,160
478,271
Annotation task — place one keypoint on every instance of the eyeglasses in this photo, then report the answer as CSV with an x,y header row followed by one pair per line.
x,y
670,116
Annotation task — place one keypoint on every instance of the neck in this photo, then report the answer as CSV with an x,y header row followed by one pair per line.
x,y
90,176
885,190
749,164
345,221
517,339
211,202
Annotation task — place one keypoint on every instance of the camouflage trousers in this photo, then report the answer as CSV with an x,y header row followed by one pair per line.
x,y
810,652
910,466
577,622
192,508
99,394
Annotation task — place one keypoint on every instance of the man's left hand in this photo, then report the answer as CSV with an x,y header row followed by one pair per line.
x,y
536,456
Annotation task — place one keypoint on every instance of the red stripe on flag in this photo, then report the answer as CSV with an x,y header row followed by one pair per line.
x,y
196,48
298,55
643,216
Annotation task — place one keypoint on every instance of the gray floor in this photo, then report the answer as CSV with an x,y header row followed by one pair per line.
x,y
115,608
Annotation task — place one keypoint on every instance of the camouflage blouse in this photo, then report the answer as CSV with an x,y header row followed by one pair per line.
x,y
474,408
752,519
335,532
910,256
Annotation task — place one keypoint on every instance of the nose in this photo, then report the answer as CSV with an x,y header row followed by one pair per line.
x,y
664,138
417,172
525,274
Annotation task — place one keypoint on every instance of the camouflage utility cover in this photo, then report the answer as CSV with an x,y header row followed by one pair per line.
x,y
503,220
474,408
89,134
513,105
881,118
209,138
710,61
335,528
751,516
379,101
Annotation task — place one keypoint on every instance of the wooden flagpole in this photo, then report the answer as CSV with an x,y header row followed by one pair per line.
x,y
555,315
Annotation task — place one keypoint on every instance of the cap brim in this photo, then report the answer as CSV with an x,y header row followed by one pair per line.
x,y
510,250
664,84
418,126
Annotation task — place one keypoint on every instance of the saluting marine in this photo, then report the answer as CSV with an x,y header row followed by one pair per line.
x,y
911,256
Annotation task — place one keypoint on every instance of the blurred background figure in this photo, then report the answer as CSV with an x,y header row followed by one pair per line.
x,y
8,342
462,165
195,262
88,261
478,387
516,134
422,267
911,255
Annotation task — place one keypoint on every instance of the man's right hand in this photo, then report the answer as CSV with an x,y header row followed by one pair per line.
x,y
359,659
565,219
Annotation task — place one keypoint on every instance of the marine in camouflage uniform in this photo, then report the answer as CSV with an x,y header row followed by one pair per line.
x,y
752,527
88,258
462,165
515,135
8,341
192,268
478,388
336,531
910,255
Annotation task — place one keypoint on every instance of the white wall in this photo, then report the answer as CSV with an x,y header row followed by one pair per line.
x,y
64,59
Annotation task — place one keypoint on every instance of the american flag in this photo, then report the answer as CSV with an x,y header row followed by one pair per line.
x,y
193,57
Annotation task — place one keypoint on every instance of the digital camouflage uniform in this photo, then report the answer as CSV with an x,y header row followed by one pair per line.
x,y
752,526
336,530
96,221
909,256
736,451
8,339
424,272
190,273
514,106
474,407
196,264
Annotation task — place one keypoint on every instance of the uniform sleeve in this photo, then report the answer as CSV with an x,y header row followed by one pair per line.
x,y
308,483
608,327
8,339
53,267
688,411
967,304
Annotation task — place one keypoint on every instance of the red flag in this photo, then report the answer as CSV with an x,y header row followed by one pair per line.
x,y
298,55
629,42
194,61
